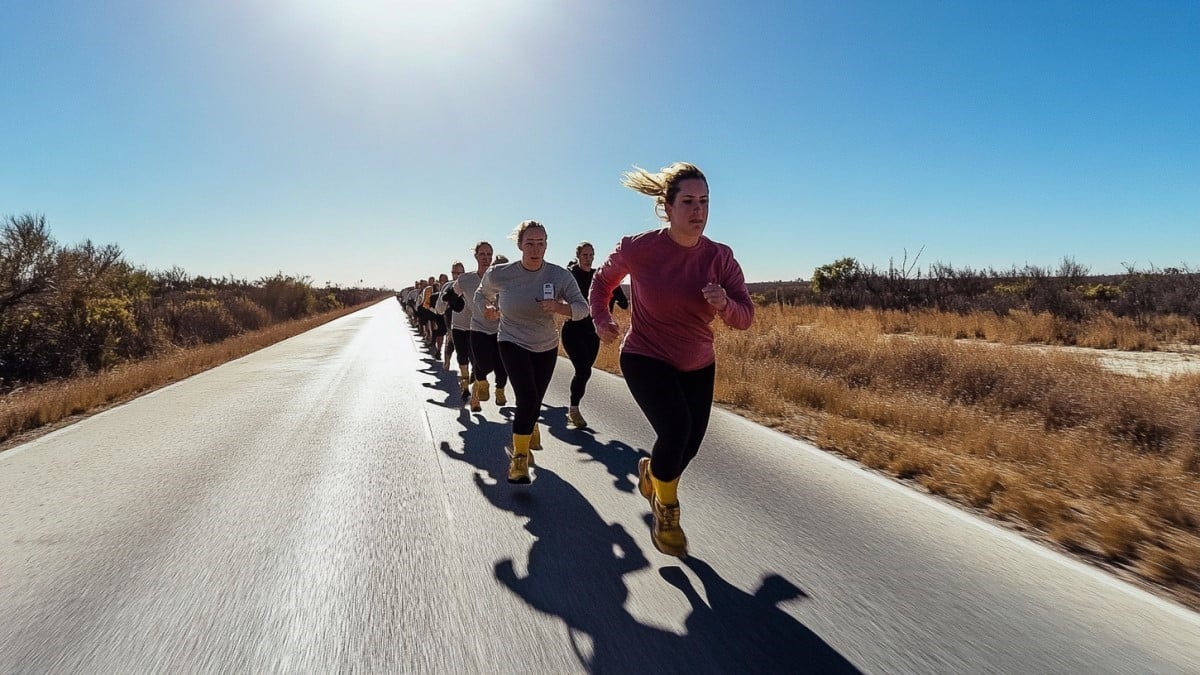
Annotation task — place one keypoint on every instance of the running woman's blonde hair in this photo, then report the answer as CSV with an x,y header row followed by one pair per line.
x,y
519,232
664,185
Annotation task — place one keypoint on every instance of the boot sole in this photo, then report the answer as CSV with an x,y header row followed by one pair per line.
x,y
668,550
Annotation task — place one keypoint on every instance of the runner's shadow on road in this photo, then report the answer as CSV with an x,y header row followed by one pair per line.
x,y
749,632
619,459
576,571
446,384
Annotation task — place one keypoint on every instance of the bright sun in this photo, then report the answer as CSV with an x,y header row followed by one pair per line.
x,y
433,31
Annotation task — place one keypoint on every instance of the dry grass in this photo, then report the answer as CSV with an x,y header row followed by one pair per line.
x,y
1103,331
38,409
1105,465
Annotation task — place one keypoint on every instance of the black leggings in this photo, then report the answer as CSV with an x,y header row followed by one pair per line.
x,y
581,343
461,339
486,358
531,373
677,405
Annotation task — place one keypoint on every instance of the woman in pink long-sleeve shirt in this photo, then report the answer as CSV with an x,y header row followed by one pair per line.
x,y
681,281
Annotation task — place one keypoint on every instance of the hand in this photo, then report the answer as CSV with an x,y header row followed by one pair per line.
x,y
608,332
715,296
550,306
491,313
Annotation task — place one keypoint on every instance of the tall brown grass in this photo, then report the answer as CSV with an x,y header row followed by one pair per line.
x,y
37,407
1105,465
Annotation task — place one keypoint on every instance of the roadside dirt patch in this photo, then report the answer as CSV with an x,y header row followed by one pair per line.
x,y
1177,359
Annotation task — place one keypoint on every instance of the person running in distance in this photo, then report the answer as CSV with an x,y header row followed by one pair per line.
x,y
524,296
579,339
443,307
426,311
680,281
438,321
485,357
459,298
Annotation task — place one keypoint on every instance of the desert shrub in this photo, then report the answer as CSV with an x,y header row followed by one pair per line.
x,y
326,301
202,321
248,314
105,332
285,297
1101,292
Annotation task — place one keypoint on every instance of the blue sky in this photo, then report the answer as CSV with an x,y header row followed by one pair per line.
x,y
377,141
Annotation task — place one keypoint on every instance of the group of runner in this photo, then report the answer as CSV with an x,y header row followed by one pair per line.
x,y
501,318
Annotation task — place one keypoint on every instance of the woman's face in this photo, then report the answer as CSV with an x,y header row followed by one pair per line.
x,y
586,256
688,214
533,246
483,256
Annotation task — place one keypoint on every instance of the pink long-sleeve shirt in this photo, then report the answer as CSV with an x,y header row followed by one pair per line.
x,y
669,316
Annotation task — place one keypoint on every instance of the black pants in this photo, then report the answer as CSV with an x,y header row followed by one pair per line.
x,y
581,343
461,339
530,373
677,405
487,358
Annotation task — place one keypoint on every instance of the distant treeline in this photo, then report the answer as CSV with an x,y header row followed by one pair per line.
x,y
1068,292
67,311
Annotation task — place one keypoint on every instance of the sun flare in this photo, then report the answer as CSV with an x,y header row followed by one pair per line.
x,y
383,33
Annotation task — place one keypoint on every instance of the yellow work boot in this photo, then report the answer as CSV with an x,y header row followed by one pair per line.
x,y
464,381
518,468
500,399
475,398
535,439
518,459
665,533
576,418
645,482
481,390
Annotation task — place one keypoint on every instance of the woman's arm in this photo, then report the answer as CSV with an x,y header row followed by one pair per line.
x,y
608,276
739,310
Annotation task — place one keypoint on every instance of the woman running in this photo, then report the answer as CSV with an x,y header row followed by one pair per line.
x,y
524,296
680,281
480,335
579,339
446,305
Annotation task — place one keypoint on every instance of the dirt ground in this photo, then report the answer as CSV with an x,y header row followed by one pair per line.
x,y
1177,359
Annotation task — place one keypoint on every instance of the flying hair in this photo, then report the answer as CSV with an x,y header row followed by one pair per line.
x,y
664,185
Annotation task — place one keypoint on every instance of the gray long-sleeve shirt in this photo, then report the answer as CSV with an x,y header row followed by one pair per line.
x,y
464,318
520,293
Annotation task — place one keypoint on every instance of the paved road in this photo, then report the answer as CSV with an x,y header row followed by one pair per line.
x,y
326,505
